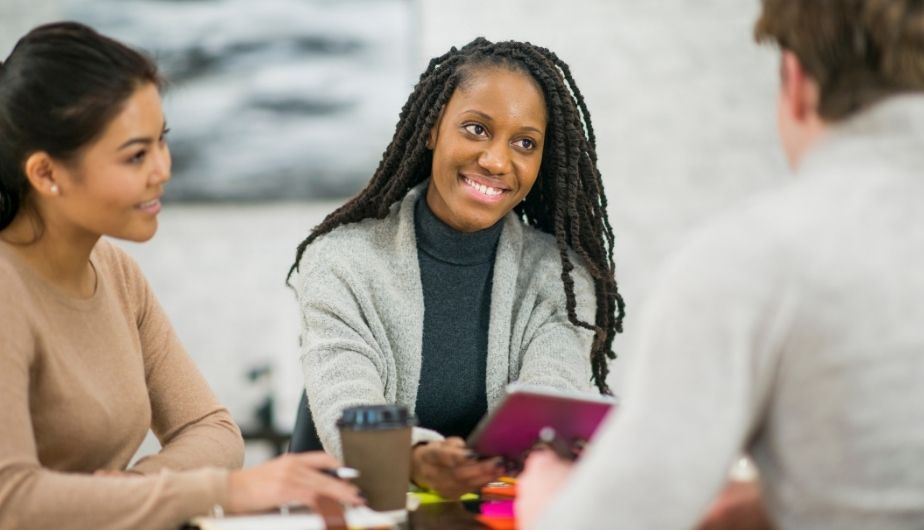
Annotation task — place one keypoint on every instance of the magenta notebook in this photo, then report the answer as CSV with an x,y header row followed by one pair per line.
x,y
513,428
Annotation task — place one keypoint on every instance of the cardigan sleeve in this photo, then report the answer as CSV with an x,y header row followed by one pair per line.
x,y
32,496
340,357
555,352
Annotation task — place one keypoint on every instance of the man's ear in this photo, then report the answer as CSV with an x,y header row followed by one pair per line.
x,y
40,171
799,90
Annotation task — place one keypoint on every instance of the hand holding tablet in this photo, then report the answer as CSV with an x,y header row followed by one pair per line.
x,y
516,425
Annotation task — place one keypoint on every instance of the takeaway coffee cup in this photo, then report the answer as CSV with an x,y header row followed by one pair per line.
x,y
376,440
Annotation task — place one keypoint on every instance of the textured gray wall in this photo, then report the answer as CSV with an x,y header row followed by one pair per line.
x,y
683,104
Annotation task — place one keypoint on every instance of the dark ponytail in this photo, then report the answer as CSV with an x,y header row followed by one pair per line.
x,y
59,88
12,189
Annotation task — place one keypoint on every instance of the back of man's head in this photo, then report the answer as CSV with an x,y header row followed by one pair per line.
x,y
858,51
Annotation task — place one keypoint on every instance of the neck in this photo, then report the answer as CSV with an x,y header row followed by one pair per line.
x,y
809,137
58,253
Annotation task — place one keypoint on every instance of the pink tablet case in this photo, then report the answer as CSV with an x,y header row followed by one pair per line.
x,y
513,428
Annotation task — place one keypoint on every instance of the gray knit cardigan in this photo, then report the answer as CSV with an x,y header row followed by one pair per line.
x,y
361,302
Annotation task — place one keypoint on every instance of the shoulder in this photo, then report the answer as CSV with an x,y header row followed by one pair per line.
x,y
367,234
18,312
541,257
749,252
369,244
114,261
761,228
13,288
120,270
540,271
538,246
361,244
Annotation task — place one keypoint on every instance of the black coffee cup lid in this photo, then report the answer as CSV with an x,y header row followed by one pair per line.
x,y
373,417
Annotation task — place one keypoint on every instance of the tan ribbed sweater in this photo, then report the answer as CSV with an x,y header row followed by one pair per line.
x,y
81,382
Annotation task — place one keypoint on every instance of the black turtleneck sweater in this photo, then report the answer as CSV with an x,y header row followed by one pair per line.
x,y
455,271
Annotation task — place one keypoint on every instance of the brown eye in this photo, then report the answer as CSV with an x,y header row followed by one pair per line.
x,y
137,158
527,144
475,128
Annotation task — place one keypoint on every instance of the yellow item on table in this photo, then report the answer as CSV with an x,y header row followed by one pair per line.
x,y
429,497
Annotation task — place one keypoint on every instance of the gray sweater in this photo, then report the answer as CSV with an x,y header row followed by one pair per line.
x,y
361,301
792,327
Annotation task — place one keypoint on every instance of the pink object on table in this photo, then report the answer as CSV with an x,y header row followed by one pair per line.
x,y
497,508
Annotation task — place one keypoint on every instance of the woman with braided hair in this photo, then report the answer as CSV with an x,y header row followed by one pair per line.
x,y
480,253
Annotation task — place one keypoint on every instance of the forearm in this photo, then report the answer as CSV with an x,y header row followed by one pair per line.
x,y
335,381
643,472
556,352
39,499
558,357
212,441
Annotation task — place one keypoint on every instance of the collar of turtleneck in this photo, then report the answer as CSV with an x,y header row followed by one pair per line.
x,y
443,242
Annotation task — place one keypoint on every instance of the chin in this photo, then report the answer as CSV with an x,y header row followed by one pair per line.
x,y
138,235
481,224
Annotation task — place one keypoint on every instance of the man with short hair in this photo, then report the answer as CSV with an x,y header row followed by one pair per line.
x,y
792,327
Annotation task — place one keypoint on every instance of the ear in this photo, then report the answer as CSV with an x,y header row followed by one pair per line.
x,y
799,93
40,170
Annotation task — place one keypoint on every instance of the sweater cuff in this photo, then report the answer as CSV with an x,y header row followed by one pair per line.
x,y
420,435
198,491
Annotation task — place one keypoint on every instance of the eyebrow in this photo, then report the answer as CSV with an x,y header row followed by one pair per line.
x,y
144,140
489,118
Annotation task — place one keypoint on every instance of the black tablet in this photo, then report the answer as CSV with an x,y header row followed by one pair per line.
x,y
513,427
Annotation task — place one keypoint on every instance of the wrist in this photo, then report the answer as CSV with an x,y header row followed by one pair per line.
x,y
232,499
416,467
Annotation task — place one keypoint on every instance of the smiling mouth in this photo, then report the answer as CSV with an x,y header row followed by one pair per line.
x,y
487,191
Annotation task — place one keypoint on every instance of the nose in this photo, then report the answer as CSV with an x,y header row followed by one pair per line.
x,y
160,173
495,158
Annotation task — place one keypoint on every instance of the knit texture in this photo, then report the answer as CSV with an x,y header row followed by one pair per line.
x,y
81,383
362,309
790,327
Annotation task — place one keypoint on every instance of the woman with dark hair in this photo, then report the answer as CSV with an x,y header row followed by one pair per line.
x,y
88,360
480,253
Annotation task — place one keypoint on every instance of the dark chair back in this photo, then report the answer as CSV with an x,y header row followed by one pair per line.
x,y
304,434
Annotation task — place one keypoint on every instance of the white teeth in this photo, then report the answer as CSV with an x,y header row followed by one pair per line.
x,y
148,204
486,190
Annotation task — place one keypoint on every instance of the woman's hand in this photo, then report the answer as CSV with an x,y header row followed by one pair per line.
x,y
291,478
542,476
447,468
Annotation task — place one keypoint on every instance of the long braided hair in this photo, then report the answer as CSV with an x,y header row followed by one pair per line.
x,y
566,201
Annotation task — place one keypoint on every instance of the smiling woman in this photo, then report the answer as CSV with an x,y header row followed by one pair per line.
x,y
113,185
480,253
88,360
487,149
